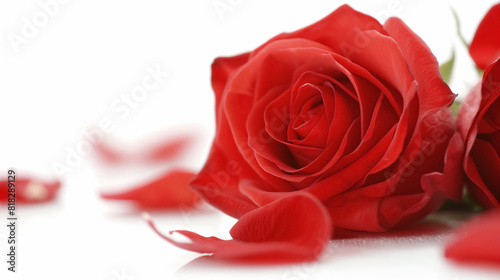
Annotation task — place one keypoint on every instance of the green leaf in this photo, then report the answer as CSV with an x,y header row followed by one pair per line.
x,y
466,197
479,71
455,107
446,68
459,30
466,204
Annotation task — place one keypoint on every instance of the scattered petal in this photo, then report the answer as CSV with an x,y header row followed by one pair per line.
x,y
295,228
165,150
29,190
168,192
477,241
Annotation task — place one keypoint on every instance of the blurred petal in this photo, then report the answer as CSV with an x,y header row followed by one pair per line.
x,y
168,192
477,240
293,229
169,149
29,190
166,150
485,47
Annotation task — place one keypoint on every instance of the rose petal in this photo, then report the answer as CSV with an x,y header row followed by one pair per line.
x,y
477,240
331,185
345,22
488,163
432,90
166,150
473,111
485,47
293,229
217,182
169,191
389,204
360,38
222,67
29,190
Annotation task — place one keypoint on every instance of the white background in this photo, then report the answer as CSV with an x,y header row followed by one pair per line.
x,y
65,77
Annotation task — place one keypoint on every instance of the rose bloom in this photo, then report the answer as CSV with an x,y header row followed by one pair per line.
x,y
350,111
479,125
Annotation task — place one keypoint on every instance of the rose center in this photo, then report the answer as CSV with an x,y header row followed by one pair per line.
x,y
308,116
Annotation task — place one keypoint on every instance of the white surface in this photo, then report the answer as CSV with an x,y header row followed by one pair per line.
x,y
67,77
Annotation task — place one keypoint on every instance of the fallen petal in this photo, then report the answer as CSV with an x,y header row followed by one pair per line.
x,y
166,150
170,149
29,190
477,241
295,228
168,192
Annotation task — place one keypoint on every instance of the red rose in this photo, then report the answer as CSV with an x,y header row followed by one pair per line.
x,y
350,111
485,47
479,125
